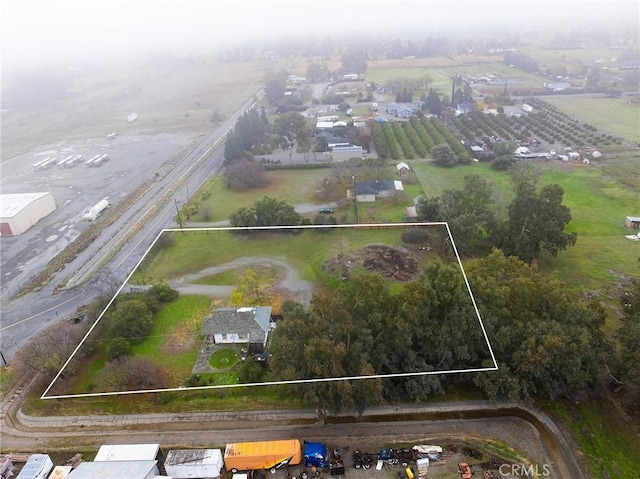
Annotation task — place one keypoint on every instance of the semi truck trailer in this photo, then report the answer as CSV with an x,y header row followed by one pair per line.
x,y
251,456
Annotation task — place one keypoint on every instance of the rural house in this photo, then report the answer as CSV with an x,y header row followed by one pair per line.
x,y
249,325
403,110
368,191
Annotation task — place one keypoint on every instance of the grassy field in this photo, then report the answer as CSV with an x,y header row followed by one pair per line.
x,y
300,187
598,206
615,116
603,435
167,97
193,252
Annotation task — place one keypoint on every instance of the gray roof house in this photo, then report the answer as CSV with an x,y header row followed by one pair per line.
x,y
249,325
368,191
403,110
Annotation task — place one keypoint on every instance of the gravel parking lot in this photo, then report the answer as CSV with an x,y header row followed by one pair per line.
x,y
133,159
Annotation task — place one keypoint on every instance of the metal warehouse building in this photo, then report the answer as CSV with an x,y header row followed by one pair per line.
x,y
20,211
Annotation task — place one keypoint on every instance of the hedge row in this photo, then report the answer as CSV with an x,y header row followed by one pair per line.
x,y
425,139
432,132
401,136
458,148
419,148
394,148
379,141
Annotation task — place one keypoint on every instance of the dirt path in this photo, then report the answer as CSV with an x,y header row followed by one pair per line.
x,y
301,290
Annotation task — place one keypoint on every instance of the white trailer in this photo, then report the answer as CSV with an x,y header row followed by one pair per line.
x,y
49,162
194,463
90,161
93,212
63,161
100,160
39,164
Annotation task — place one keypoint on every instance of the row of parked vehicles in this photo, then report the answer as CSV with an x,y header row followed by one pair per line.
x,y
70,161
272,455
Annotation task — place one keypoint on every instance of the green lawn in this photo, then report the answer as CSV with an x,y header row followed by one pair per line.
x,y
294,186
193,252
174,342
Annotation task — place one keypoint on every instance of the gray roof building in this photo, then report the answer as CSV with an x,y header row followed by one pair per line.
x,y
238,325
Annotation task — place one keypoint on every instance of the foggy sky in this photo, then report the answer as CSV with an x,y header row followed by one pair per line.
x,y
47,31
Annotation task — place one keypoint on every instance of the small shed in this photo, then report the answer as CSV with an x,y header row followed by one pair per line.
x,y
194,463
412,214
403,168
38,466
632,222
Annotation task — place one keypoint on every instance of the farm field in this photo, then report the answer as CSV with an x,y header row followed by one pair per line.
x,y
616,116
167,97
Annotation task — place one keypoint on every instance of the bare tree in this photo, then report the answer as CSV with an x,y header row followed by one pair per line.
x,y
130,373
47,351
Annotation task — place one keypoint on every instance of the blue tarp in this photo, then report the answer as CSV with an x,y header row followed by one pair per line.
x,y
316,454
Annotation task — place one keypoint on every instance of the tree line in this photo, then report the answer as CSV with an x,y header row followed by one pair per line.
x,y
535,219
546,338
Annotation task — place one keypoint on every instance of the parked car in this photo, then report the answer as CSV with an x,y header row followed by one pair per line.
x,y
326,211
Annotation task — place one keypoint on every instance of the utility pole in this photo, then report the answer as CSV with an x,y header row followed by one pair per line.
x,y
355,198
179,218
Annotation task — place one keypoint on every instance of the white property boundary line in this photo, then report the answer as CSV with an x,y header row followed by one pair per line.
x,y
295,381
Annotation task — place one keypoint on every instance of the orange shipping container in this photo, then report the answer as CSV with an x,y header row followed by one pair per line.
x,y
248,456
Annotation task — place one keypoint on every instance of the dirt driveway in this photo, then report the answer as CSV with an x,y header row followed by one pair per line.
x,y
299,289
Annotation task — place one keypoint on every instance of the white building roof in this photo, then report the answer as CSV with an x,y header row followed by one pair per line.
x,y
324,124
398,185
194,456
402,165
115,470
127,452
11,204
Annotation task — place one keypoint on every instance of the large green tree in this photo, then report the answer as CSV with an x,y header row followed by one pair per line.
x,y
470,212
536,219
132,319
546,338
444,155
291,127
275,84
354,60
317,72
268,211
